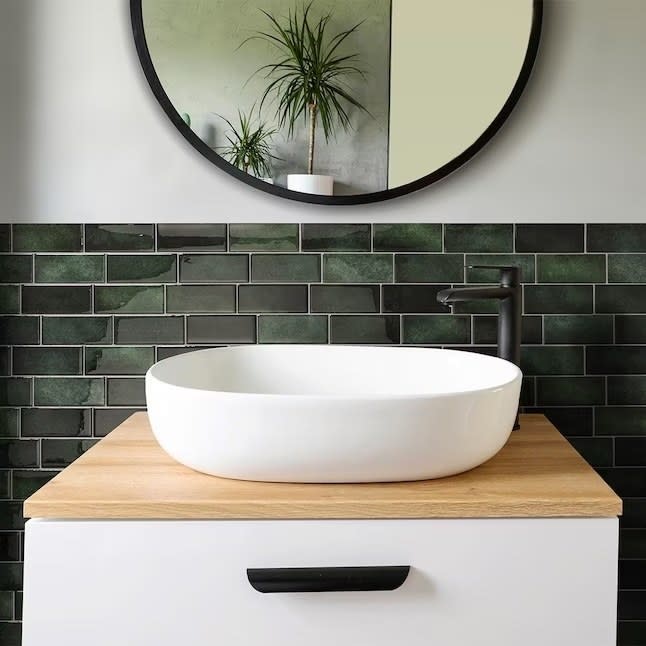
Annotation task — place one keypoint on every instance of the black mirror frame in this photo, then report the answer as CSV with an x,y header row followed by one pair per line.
x,y
136,14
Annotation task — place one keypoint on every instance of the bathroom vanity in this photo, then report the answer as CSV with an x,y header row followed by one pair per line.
x,y
126,546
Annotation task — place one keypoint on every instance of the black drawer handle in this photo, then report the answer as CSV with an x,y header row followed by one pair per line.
x,y
327,579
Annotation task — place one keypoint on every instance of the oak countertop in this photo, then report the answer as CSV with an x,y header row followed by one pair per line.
x,y
128,476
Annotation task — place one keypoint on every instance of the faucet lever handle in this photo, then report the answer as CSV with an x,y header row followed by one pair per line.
x,y
509,274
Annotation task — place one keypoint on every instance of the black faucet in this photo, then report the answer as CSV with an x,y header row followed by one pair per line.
x,y
510,310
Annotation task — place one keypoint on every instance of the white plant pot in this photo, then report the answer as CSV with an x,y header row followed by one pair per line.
x,y
317,184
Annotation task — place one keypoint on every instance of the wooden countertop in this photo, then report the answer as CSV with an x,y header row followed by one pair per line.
x,y
127,475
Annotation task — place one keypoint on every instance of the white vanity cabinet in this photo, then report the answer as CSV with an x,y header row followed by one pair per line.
x,y
128,548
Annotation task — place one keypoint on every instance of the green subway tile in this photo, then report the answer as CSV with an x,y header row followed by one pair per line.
x,y
558,299
573,268
344,298
616,359
630,452
476,307
208,268
143,330
107,419
620,420
292,329
72,330
632,544
47,237
263,237
364,329
118,361
5,237
570,421
414,299
408,237
286,268
272,298
596,451
126,392
165,352
68,391
627,268
8,422
192,237
336,237
15,269
436,329
58,453
11,573
525,262
26,483
4,361
38,360
6,605
143,268
10,547
627,389
429,268
15,391
129,299
357,268
16,453
550,238
630,329
479,238
570,391
485,330
69,269
55,422
19,330
551,360
620,299
5,494
616,237
200,298
9,299
119,237
221,329
582,328
56,300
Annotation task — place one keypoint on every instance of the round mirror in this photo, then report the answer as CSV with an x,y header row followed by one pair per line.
x,y
337,102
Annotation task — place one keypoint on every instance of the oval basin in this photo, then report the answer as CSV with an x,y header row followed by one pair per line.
x,y
299,413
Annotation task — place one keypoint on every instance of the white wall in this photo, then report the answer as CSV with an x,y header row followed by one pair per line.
x,y
82,139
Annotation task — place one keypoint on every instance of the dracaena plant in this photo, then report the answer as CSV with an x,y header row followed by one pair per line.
x,y
309,79
249,147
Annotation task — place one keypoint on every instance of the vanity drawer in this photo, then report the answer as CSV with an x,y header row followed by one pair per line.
x,y
163,583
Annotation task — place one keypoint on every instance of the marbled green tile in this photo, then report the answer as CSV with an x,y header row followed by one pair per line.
x,y
165,352
582,328
620,299
68,391
5,237
9,299
357,268
627,268
26,483
344,298
18,453
15,391
8,422
558,299
15,268
407,237
436,329
56,300
192,237
19,330
627,390
143,330
616,359
214,268
72,330
221,329
263,237
38,360
47,237
200,298
126,392
129,299
630,329
160,268
551,360
485,330
429,268
55,422
69,269
596,451
336,237
272,298
479,238
292,329
107,419
364,329
414,299
550,238
570,421
118,361
57,453
616,237
524,261
571,268
286,268
119,237
624,420
570,391
476,307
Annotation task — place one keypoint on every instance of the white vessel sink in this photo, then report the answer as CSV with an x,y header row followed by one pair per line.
x,y
298,413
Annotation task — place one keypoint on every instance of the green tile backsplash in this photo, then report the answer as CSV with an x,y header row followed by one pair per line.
x,y
86,309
